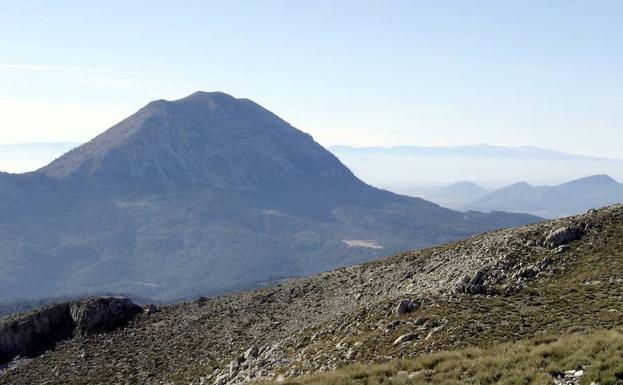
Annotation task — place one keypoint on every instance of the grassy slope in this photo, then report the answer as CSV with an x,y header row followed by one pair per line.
x,y
533,361
585,295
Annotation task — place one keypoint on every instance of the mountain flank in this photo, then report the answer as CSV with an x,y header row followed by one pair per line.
x,y
207,194
543,281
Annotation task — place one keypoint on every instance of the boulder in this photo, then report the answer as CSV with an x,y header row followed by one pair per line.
x,y
476,289
405,338
474,285
406,306
478,279
562,236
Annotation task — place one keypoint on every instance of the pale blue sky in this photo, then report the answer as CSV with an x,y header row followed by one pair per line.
x,y
545,73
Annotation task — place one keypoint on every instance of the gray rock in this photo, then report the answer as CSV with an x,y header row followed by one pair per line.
x,y
528,272
405,338
393,325
478,279
560,249
562,236
475,285
252,352
476,289
351,353
545,263
406,306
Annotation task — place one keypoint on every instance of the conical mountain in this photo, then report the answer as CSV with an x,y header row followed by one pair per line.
x,y
211,139
202,195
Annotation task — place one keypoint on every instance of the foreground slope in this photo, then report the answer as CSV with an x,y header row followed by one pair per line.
x,y
205,194
549,278
564,359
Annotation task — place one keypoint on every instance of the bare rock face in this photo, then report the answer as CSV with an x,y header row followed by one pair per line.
x,y
32,334
95,315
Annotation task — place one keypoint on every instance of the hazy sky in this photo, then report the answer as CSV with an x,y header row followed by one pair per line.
x,y
546,73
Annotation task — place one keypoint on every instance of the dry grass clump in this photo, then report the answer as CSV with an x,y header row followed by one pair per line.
x,y
535,361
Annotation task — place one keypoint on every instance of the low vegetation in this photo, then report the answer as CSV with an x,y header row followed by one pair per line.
x,y
595,357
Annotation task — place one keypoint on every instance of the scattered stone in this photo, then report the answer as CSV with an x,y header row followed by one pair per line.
x,y
560,249
528,272
413,375
252,352
351,354
405,338
433,331
406,306
545,263
150,309
392,326
474,285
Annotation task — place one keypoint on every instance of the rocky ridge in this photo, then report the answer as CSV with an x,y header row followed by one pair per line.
x,y
31,334
495,287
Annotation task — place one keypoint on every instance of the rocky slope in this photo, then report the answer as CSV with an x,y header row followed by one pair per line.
x,y
496,287
206,194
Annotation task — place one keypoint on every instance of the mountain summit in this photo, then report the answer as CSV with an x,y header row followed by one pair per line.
x,y
203,195
207,138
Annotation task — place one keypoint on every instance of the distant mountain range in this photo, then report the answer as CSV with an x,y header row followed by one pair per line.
x,y
203,195
552,201
415,170
456,194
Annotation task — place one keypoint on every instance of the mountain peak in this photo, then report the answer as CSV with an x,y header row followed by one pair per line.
x,y
594,180
207,138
